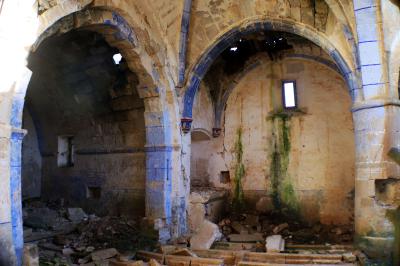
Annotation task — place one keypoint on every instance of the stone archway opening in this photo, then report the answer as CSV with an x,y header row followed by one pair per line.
x,y
98,141
270,168
83,158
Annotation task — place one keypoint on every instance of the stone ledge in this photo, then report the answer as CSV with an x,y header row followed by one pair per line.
x,y
374,104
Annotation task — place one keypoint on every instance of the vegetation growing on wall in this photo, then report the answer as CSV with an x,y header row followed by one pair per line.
x,y
283,193
238,197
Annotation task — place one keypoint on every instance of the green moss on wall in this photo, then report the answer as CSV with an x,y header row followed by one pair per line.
x,y
282,190
238,196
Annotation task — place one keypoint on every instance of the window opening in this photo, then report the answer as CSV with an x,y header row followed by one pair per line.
x,y
289,95
65,156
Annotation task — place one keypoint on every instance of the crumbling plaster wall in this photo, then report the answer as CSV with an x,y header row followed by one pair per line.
x,y
321,159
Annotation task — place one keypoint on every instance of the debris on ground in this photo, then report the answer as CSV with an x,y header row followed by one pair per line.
x,y
69,236
248,228
274,244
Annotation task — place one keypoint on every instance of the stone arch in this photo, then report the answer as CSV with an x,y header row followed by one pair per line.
x,y
158,148
251,26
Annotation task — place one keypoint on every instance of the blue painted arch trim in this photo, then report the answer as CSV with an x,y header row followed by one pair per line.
x,y
249,27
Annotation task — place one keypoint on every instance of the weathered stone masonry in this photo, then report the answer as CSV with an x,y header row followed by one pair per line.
x,y
361,38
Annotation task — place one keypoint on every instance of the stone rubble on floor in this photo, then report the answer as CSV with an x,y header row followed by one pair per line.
x,y
207,234
275,244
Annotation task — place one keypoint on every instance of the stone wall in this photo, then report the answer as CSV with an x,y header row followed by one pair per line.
x,y
321,137
95,101
362,33
31,160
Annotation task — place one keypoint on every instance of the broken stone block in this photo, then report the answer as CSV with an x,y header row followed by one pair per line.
x,y
206,235
280,228
246,238
31,255
264,205
76,215
275,244
239,228
104,254
196,215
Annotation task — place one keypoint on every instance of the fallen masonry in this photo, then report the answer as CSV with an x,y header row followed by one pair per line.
x,y
56,235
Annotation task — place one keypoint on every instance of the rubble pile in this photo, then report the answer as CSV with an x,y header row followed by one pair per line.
x,y
68,236
255,228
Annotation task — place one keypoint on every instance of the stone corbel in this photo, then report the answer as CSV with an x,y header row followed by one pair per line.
x,y
18,133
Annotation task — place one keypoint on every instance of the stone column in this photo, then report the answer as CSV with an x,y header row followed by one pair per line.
x,y
7,252
16,198
377,130
158,169
375,233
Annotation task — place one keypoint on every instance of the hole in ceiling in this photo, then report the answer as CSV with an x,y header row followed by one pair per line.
x,y
117,58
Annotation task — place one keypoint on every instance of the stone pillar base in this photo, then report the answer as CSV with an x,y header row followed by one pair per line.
x,y
377,248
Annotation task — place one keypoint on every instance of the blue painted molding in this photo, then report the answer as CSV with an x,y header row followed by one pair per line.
x,y
208,57
187,6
